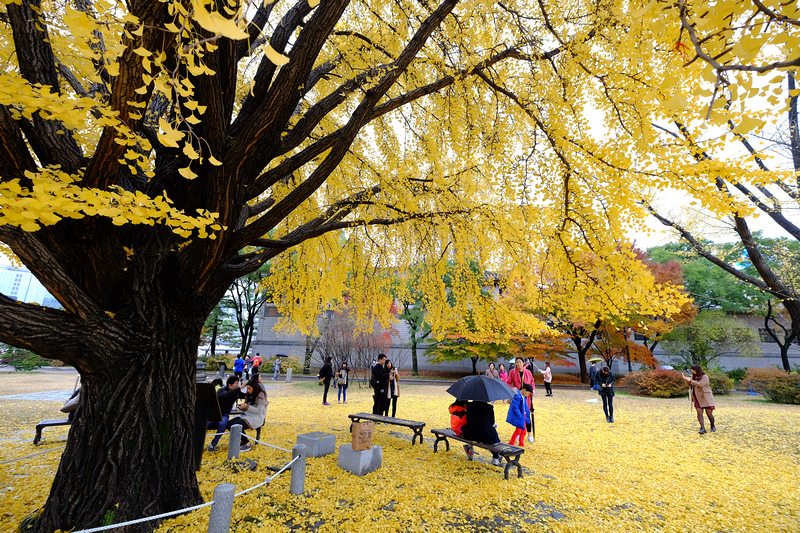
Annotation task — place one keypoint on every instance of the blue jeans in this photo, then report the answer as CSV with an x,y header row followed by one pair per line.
x,y
342,392
220,427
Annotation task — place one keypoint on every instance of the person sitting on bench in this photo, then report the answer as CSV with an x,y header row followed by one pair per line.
x,y
480,427
255,411
227,396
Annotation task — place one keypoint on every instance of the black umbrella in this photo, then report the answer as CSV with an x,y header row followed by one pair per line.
x,y
481,389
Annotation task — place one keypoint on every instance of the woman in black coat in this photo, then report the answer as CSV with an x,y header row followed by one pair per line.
x,y
326,374
605,380
480,427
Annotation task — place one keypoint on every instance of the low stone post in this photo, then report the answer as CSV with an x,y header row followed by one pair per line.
x,y
235,442
298,482
288,375
219,521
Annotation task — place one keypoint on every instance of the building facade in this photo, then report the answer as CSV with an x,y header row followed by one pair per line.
x,y
19,284
270,341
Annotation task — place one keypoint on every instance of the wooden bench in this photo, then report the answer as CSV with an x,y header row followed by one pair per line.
x,y
510,453
417,427
49,423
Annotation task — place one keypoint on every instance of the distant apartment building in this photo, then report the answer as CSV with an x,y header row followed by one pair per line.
x,y
21,285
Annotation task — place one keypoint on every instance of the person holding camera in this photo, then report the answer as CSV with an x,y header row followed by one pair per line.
x,y
392,389
605,380
701,396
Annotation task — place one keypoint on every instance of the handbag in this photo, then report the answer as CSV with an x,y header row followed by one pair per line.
x,y
71,404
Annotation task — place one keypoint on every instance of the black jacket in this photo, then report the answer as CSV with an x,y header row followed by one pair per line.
x,y
380,377
326,372
480,423
227,398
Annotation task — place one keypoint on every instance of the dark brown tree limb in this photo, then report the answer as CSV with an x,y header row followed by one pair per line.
x,y
37,66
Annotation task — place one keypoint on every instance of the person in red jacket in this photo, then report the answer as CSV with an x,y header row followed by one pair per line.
x,y
458,416
517,377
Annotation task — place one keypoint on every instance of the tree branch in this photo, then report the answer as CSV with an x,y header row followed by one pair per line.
x,y
37,65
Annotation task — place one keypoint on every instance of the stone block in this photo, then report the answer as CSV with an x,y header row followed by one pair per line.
x,y
318,443
361,462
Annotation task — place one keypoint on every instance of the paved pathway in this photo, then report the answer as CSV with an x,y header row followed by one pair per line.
x,y
46,396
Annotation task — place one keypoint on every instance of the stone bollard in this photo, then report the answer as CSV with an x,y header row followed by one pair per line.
x,y
297,484
235,442
288,375
219,521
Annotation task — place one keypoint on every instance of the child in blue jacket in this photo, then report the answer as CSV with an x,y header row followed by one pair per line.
x,y
519,414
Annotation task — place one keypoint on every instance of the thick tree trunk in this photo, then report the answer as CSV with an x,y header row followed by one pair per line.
x,y
129,452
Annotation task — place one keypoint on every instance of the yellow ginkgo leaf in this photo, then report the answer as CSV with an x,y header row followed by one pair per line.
x,y
187,173
275,57
216,23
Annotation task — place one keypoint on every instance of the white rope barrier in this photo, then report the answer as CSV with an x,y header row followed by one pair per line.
x,y
270,445
148,519
34,455
269,479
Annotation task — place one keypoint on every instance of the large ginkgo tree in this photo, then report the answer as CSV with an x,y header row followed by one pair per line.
x,y
151,152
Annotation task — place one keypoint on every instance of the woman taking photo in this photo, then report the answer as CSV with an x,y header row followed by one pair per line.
x,y
392,389
701,396
255,412
605,380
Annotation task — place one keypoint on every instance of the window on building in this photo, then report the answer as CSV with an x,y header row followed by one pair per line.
x,y
638,337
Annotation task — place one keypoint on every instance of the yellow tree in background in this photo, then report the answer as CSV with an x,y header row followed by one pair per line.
x,y
596,309
153,151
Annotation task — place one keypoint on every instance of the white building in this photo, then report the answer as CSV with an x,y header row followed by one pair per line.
x,y
21,285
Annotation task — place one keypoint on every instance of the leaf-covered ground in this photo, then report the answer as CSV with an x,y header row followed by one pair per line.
x,y
650,471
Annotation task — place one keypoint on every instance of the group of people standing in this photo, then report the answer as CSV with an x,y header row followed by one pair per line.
x,y
248,366
385,383
341,378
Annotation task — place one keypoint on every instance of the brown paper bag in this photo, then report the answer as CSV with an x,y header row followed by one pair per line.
x,y
362,435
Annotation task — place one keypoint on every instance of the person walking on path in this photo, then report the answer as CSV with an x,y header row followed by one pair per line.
x,y
392,388
255,411
516,379
378,382
480,427
256,364
701,396
343,373
247,364
548,378
276,368
238,366
325,375
605,380
592,374
519,415
491,372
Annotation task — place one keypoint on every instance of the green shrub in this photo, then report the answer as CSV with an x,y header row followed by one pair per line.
x,y
23,359
212,363
775,384
737,374
656,383
720,383
288,362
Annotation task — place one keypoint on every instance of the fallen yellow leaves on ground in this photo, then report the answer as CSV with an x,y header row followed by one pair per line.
x,y
648,471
